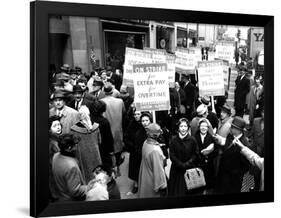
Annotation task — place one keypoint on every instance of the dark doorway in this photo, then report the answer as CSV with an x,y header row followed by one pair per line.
x,y
115,45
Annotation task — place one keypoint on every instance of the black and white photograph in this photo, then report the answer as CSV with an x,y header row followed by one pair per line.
x,y
144,109
137,109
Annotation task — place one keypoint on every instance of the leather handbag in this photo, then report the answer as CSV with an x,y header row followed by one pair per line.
x,y
194,178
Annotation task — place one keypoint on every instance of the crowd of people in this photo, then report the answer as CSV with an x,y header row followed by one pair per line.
x,y
93,121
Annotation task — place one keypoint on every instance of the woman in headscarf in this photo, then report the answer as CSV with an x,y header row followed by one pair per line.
x,y
184,155
152,177
88,154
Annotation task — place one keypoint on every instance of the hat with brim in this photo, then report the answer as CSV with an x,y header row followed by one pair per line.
x,y
108,89
205,100
98,82
153,130
62,76
226,108
77,89
201,109
58,94
238,123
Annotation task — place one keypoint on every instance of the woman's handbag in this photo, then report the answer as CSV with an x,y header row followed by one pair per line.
x,y
194,178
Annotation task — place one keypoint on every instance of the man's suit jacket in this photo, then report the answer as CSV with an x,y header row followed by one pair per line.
x,y
68,119
88,100
189,91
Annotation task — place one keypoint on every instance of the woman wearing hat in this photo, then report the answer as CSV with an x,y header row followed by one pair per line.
x,y
232,164
184,155
202,112
88,153
152,178
70,184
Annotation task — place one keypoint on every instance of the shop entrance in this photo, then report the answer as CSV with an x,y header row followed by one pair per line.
x,y
116,43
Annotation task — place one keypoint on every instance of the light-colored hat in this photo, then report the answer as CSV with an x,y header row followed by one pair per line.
x,y
153,130
202,109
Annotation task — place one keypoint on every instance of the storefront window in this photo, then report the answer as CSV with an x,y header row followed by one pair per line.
x,y
164,38
181,38
115,45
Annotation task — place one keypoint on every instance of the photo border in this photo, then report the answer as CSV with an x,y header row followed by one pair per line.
x,y
39,162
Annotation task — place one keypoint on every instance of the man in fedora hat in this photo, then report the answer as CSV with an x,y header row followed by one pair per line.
x,y
97,88
242,88
68,115
232,164
80,97
115,111
190,93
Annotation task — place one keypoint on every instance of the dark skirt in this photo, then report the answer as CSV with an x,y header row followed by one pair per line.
x,y
177,185
134,166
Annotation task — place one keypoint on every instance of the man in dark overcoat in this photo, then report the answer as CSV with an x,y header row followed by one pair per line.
x,y
257,135
81,98
232,164
189,90
242,89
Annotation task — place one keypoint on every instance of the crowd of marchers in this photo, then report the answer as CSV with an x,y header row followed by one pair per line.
x,y
93,122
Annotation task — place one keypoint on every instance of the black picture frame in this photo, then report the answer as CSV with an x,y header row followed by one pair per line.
x,y
39,23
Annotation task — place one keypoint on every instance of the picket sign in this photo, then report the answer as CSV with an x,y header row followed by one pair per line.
x,y
211,78
151,87
146,56
225,51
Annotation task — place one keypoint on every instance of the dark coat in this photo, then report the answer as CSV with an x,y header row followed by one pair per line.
x,y
232,167
184,155
134,139
106,145
87,100
118,80
258,137
189,91
212,117
174,101
206,162
53,149
242,89
113,190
